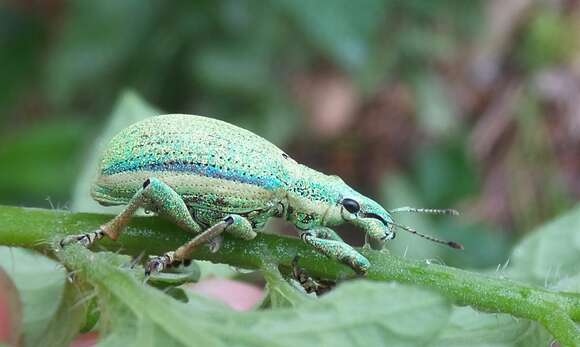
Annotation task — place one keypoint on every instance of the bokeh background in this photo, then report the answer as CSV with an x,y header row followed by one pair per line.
x,y
473,105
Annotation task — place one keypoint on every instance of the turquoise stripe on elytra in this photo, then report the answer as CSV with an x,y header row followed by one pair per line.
x,y
206,170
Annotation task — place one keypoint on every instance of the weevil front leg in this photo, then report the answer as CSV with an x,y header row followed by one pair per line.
x,y
154,194
233,224
327,242
376,233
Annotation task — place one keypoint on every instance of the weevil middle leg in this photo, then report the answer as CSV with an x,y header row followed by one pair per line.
x,y
375,233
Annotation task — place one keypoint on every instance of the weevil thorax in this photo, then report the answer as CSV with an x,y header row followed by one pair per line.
x,y
317,199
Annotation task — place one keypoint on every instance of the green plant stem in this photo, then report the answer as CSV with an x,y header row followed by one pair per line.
x,y
39,228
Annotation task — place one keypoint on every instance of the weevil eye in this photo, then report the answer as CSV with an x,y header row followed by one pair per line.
x,y
351,205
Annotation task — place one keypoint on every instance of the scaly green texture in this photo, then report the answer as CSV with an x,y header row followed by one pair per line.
x,y
557,311
200,172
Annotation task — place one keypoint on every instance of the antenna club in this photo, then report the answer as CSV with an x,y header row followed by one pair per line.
x,y
455,245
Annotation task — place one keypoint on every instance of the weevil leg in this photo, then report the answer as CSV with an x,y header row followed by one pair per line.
x,y
154,194
215,244
241,228
376,234
304,282
327,234
235,225
335,249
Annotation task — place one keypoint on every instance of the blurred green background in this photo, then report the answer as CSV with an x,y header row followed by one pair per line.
x,y
473,105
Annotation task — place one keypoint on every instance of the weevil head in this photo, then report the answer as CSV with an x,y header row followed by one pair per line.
x,y
315,199
354,206
368,215
327,200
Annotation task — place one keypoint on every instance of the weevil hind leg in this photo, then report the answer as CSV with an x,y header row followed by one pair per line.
x,y
235,225
335,249
154,193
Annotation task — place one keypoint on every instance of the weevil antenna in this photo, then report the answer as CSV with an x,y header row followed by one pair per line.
x,y
447,211
451,244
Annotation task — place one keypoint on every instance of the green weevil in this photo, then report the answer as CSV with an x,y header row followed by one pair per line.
x,y
211,177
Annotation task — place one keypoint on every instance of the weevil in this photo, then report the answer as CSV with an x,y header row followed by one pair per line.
x,y
210,177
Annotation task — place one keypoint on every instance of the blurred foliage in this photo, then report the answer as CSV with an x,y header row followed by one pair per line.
x,y
550,40
447,103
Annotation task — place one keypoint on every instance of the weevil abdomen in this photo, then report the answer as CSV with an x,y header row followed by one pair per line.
x,y
210,163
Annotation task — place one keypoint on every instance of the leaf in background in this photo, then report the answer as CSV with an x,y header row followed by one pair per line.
x,y
359,313
41,283
40,162
10,311
444,173
345,30
96,39
21,42
549,253
548,41
129,109
485,246
398,192
235,70
468,327
435,111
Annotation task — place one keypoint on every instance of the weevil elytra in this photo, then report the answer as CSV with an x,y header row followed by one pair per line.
x,y
211,177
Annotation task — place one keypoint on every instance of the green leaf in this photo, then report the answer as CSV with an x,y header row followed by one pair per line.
x,y
176,276
484,247
209,270
127,321
549,253
360,313
549,40
97,39
280,293
444,173
236,70
468,327
435,111
40,282
341,29
40,161
21,43
129,109
68,319
398,191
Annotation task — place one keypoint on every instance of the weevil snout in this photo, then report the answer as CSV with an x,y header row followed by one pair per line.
x,y
370,217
